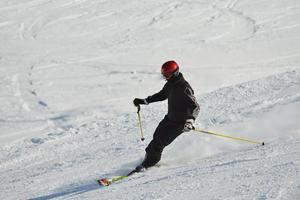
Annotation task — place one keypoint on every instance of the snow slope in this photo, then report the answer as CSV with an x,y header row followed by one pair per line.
x,y
70,69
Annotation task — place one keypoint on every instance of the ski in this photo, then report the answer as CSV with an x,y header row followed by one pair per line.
x,y
109,181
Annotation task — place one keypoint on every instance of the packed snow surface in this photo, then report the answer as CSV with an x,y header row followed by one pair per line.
x,y
70,69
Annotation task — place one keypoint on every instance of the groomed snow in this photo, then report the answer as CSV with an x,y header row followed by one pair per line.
x,y
70,69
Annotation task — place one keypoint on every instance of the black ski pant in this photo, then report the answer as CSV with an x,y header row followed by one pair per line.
x,y
166,132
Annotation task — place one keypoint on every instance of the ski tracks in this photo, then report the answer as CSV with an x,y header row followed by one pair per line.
x,y
236,25
56,15
33,90
232,104
240,26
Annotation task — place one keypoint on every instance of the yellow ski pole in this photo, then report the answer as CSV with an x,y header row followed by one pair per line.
x,y
227,136
140,123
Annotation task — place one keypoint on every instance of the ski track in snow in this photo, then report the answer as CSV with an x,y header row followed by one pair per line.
x,y
250,98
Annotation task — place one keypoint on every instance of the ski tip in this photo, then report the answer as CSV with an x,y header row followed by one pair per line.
x,y
263,143
103,182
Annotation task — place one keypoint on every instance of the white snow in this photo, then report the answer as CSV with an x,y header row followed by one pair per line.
x,y
70,69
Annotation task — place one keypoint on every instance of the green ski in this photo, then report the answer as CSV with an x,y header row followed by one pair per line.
x,y
108,181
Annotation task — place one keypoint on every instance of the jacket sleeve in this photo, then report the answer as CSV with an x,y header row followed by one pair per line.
x,y
193,106
160,96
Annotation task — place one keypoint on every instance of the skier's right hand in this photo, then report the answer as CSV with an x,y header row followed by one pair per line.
x,y
138,102
189,125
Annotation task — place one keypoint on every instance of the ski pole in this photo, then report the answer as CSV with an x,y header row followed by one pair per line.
x,y
140,122
227,136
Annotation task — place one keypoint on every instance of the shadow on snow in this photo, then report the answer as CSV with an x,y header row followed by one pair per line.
x,y
70,191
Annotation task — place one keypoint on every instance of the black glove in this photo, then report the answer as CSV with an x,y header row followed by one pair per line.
x,y
188,126
138,101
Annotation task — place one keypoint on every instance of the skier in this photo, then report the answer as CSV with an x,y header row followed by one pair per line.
x,y
182,112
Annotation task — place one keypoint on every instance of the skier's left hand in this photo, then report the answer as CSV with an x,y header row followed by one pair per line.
x,y
188,126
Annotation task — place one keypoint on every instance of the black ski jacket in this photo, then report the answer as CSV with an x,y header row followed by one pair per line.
x,y
182,104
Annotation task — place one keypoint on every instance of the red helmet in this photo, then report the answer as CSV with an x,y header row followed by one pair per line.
x,y
169,68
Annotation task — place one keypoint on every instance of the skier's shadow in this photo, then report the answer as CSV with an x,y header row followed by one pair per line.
x,y
70,191
84,187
